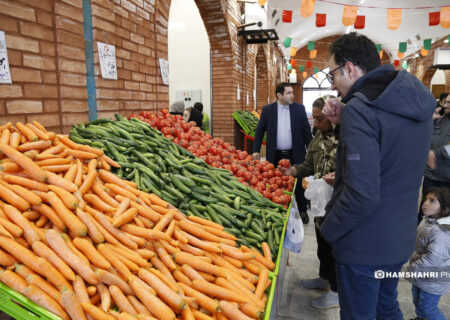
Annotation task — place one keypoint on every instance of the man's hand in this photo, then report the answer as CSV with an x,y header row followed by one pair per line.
x,y
329,178
256,156
431,161
436,114
291,171
304,183
332,110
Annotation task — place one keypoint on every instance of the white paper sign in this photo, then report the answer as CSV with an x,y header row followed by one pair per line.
x,y
5,75
107,57
164,65
238,93
247,98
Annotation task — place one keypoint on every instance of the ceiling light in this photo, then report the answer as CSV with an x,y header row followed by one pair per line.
x,y
348,29
416,55
446,41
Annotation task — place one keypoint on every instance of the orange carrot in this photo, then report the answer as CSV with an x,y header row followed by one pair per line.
x,y
74,224
51,215
261,285
107,176
10,167
111,256
30,167
5,232
140,308
56,168
31,215
119,235
53,161
12,229
60,182
76,146
121,300
45,252
133,267
201,316
80,290
190,249
206,222
13,198
181,277
105,297
205,245
179,236
91,253
111,279
158,308
24,182
169,248
266,249
131,255
116,189
95,312
68,198
143,211
98,203
203,300
125,316
78,154
88,181
107,236
72,305
123,206
26,194
14,140
146,233
15,215
39,296
27,132
6,259
41,134
216,291
154,199
219,233
70,174
14,281
232,312
37,145
92,290
57,243
196,263
191,273
97,188
175,301
164,256
236,253
104,164
235,262
93,231
5,136
196,231
39,282
54,150
79,174
21,253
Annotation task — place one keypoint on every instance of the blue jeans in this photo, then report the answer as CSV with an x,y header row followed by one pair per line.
x,y
364,297
426,304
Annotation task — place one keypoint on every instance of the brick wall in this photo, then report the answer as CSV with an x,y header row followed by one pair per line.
x,y
262,82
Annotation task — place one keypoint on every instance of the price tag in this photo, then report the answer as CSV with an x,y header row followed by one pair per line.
x,y
294,230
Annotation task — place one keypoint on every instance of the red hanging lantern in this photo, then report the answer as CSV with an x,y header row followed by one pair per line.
x,y
293,62
434,18
286,16
309,64
360,22
396,63
321,20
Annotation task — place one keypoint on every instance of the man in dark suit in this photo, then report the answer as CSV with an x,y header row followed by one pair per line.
x,y
288,134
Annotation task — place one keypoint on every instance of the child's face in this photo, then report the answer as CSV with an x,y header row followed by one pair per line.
x,y
431,206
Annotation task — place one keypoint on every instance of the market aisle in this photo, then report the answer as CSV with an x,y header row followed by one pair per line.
x,y
294,300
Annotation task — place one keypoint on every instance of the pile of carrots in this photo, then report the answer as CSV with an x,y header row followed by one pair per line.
x,y
85,244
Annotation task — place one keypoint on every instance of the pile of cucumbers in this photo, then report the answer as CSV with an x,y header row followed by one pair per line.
x,y
162,167
248,120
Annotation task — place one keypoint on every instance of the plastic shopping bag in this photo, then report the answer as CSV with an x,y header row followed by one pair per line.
x,y
319,193
294,230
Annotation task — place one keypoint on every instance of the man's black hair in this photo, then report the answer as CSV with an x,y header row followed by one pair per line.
x,y
443,95
357,49
281,87
198,106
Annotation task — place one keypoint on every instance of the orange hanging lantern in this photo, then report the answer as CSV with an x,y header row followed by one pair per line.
x,y
381,54
423,52
293,62
445,17
349,15
304,74
400,55
262,2
293,51
313,54
307,8
394,18
316,75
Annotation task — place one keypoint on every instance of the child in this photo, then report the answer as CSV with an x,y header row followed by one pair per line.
x,y
432,255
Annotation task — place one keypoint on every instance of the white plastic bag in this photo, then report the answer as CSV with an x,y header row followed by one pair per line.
x,y
319,193
294,230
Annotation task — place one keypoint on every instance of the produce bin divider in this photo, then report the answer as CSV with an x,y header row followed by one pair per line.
x,y
21,308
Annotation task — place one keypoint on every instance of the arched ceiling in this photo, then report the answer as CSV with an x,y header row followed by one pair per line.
x,y
414,22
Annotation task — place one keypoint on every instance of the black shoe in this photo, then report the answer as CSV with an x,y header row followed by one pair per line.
x,y
304,217
417,318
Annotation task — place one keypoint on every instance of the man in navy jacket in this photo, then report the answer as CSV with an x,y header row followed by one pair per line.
x,y
385,133
288,133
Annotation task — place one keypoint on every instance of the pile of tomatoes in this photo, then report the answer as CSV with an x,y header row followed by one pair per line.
x,y
260,175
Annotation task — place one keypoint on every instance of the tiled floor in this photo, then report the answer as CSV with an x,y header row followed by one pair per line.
x,y
294,300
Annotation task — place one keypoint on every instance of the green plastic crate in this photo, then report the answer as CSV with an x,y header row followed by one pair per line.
x,y
269,303
22,308
280,248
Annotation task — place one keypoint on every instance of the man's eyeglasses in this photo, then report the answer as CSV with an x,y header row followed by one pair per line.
x,y
330,76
